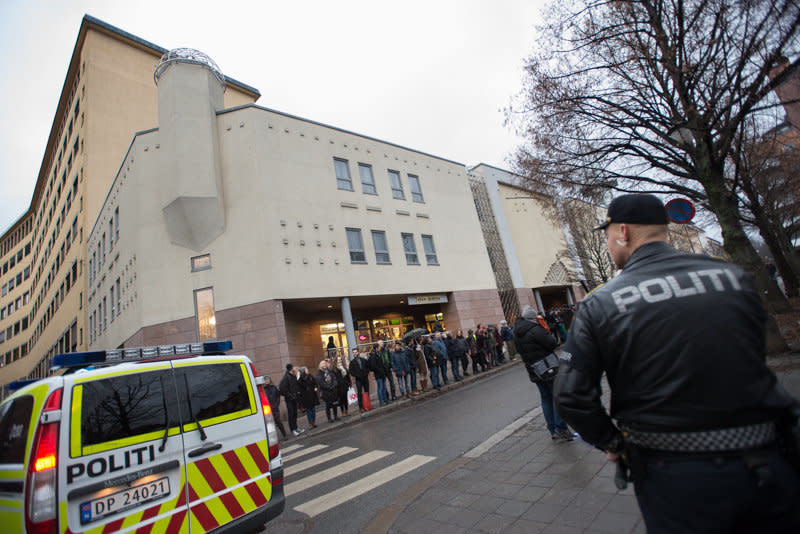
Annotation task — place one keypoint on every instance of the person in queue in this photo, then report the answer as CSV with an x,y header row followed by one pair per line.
x,y
699,415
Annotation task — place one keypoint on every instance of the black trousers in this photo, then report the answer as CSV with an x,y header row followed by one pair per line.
x,y
291,413
361,385
719,495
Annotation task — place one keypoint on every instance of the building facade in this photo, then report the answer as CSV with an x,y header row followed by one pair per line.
x,y
108,94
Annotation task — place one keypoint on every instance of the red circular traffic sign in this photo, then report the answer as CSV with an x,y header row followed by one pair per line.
x,y
680,210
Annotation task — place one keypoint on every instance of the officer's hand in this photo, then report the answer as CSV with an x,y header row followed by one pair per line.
x,y
612,456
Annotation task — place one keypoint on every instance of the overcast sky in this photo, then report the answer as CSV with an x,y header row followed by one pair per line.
x,y
431,75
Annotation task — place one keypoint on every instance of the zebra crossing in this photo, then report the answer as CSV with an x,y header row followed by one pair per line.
x,y
302,473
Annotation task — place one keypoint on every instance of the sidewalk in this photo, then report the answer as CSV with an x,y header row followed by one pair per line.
x,y
526,483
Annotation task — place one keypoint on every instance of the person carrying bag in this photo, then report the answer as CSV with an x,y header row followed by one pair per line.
x,y
535,344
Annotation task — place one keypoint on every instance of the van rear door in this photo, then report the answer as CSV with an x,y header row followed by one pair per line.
x,y
18,415
227,459
125,451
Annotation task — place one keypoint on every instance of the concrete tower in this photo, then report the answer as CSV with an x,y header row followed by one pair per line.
x,y
190,92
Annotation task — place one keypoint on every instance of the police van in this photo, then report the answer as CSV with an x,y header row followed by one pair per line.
x,y
167,439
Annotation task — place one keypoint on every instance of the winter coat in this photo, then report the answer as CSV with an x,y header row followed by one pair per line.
x,y
450,343
532,340
399,363
328,385
288,387
433,357
358,368
273,396
308,391
375,364
342,380
439,346
411,357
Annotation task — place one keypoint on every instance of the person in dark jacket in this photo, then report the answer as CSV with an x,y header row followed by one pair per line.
x,y
343,383
454,353
328,387
439,346
507,333
291,393
401,369
461,349
274,398
309,395
695,412
411,356
359,370
534,341
433,359
378,368
481,345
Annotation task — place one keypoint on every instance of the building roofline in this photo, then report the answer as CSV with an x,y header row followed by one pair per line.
x,y
89,22
317,123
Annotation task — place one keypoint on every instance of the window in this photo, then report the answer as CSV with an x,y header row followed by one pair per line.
x,y
397,186
201,263
5,289
125,406
213,391
410,249
343,180
381,249
116,224
105,313
367,180
204,311
430,250
356,245
26,297
119,297
416,190
113,302
110,235
11,284
15,418
103,255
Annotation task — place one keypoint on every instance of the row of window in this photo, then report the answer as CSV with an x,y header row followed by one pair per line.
x,y
16,258
11,240
345,182
98,318
99,254
357,255
15,281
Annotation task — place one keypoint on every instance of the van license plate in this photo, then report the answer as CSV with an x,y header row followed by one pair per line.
x,y
122,500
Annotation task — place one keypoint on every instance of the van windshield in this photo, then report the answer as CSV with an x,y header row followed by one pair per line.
x,y
15,418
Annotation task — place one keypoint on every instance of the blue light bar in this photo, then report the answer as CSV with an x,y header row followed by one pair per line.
x,y
77,359
131,354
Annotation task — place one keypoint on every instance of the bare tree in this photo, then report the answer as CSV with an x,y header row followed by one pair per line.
x,y
590,246
766,171
638,95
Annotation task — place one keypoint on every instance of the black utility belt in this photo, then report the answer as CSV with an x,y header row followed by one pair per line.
x,y
739,438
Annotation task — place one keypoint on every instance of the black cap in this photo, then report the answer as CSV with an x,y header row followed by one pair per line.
x,y
635,209
289,366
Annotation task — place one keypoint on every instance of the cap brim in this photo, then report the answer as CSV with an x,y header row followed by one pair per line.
x,y
601,226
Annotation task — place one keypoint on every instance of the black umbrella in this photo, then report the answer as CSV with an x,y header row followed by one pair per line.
x,y
416,333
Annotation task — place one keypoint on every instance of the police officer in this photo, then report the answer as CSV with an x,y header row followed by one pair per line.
x,y
681,339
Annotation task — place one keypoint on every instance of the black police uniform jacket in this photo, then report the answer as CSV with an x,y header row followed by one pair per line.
x,y
681,338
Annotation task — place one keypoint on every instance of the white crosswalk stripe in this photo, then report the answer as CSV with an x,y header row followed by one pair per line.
x,y
296,453
300,478
359,487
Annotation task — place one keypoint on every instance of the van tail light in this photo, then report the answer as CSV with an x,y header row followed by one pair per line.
x,y
41,503
272,431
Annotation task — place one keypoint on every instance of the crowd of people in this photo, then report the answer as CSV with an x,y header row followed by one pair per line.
x,y
400,368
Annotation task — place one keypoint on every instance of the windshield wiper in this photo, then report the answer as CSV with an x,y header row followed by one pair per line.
x,y
166,414
203,436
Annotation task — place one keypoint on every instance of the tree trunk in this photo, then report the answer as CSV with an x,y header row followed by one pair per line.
x,y
741,251
783,254
776,239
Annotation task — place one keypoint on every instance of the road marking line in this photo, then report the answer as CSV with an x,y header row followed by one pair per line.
x,y
359,487
503,434
296,486
303,452
321,459
290,448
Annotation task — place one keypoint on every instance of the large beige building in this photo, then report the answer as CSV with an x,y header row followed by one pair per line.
x,y
170,208
108,94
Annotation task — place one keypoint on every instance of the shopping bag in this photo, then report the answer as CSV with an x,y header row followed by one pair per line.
x,y
365,401
352,398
